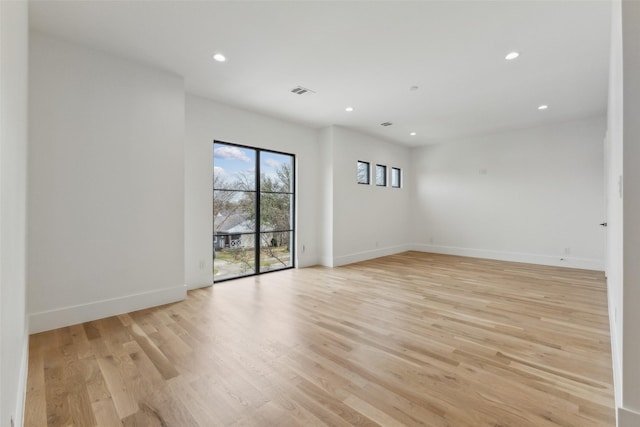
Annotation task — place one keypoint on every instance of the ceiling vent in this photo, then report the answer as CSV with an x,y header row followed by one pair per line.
x,y
386,124
299,90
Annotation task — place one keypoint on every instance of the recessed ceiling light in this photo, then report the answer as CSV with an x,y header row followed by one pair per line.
x,y
511,55
413,134
219,57
543,107
349,109
413,88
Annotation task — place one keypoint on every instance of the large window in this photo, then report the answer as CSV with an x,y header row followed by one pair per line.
x,y
253,210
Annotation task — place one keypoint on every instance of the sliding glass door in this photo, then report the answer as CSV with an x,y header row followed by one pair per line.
x,y
253,210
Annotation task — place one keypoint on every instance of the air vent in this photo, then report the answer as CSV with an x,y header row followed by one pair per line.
x,y
386,124
299,90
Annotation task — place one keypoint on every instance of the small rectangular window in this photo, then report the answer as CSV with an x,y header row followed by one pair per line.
x,y
396,178
363,172
381,175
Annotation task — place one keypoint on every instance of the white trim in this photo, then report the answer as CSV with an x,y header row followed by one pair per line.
x,y
366,255
72,315
306,260
628,418
202,286
326,261
557,261
202,281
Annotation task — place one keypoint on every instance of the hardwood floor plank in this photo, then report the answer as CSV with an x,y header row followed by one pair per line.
x,y
202,412
371,412
36,413
145,417
105,413
412,339
154,353
58,413
123,399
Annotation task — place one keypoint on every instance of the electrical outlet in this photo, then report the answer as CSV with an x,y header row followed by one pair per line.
x,y
567,251
201,264
376,243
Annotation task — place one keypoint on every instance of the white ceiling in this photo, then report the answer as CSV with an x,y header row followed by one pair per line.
x,y
366,54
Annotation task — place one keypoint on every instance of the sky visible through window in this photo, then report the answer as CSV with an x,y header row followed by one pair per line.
x,y
232,163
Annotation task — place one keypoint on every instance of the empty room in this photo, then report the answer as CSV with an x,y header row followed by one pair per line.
x,y
328,213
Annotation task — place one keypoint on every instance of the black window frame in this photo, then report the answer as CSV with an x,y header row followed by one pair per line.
x,y
258,231
384,167
399,170
368,176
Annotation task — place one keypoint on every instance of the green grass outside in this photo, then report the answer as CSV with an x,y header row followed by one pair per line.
x,y
230,256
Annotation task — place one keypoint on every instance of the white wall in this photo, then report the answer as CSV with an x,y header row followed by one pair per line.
x,y
623,208
630,415
206,121
106,185
325,222
368,221
613,180
522,196
335,215
13,157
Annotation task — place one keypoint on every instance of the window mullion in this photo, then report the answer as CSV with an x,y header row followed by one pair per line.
x,y
258,214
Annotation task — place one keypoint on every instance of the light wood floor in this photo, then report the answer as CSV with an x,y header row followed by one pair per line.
x,y
410,339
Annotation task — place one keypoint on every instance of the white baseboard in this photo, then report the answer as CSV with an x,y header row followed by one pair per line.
x,y
306,260
628,418
199,280
326,261
557,261
72,315
200,286
367,255
197,284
